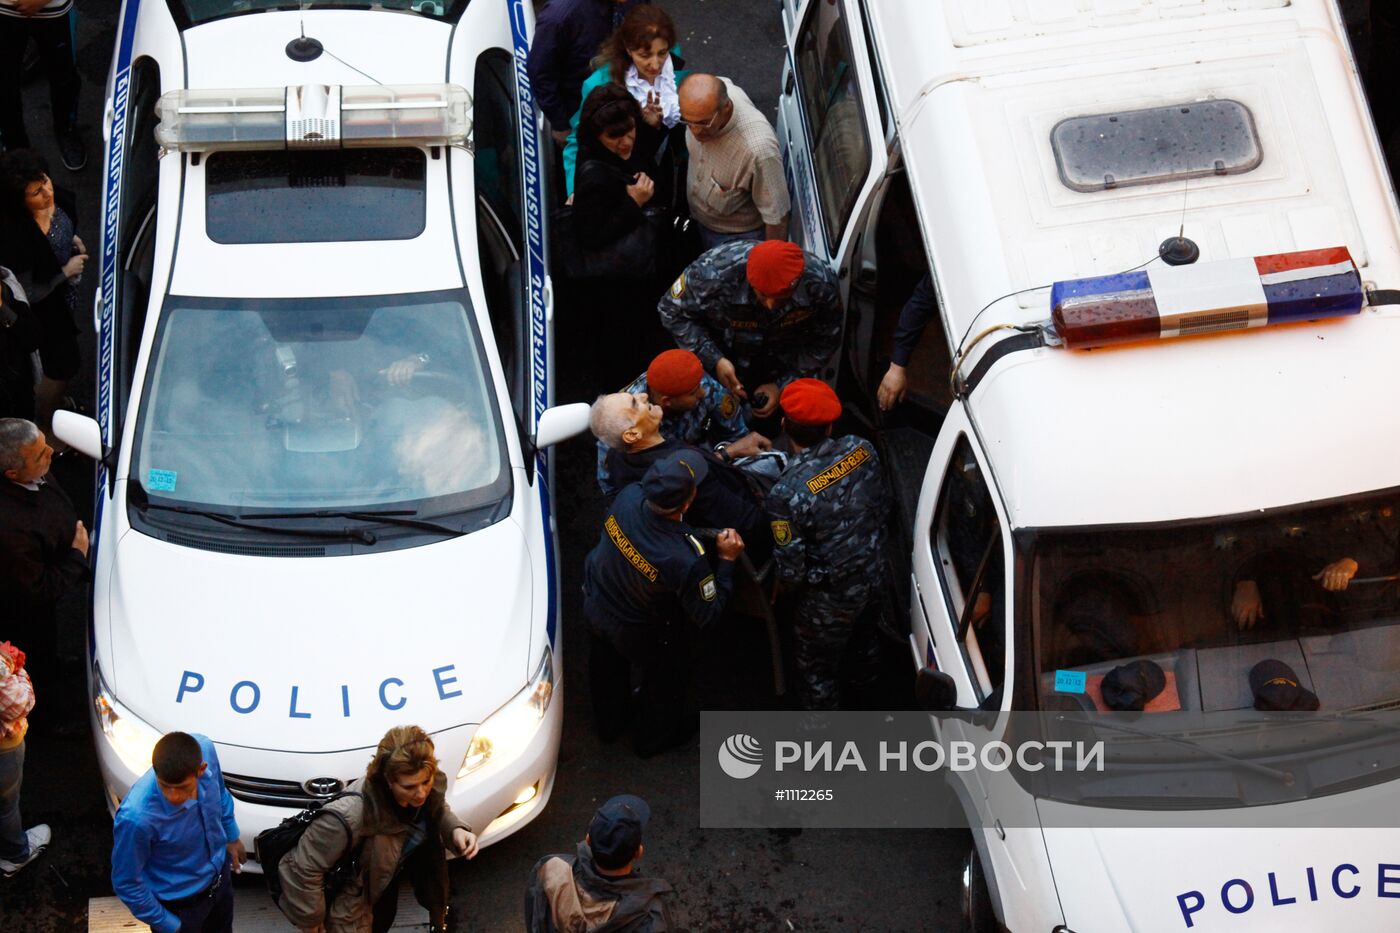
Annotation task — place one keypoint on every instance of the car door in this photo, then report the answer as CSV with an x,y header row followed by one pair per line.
x,y
830,128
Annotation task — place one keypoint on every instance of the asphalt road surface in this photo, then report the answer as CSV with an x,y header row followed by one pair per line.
x,y
725,880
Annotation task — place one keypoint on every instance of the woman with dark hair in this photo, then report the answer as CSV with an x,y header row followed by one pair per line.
x,y
41,246
615,179
400,825
642,56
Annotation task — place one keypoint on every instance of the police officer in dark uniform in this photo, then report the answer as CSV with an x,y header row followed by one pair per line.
x,y
645,577
758,315
827,513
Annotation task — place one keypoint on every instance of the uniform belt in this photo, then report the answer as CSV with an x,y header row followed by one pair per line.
x,y
182,903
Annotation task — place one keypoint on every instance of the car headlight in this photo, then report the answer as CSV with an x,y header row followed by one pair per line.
x,y
130,738
507,731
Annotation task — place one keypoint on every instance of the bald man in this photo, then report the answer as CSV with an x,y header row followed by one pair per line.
x,y
735,181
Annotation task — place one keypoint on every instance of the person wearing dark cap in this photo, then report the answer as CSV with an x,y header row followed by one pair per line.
x,y
695,409
1275,686
599,886
759,315
646,576
630,427
827,514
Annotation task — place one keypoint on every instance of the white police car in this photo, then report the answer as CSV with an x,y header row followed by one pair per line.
x,y
323,501
1001,147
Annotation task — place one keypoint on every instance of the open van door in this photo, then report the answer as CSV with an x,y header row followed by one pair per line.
x,y
830,127
962,616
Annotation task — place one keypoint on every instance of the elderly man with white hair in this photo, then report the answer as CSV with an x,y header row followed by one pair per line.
x,y
43,545
629,425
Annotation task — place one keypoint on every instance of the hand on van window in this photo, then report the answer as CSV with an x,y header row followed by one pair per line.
x,y
892,387
1337,575
1247,607
30,7
724,372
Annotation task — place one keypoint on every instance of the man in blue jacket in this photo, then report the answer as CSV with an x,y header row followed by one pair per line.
x,y
567,36
175,842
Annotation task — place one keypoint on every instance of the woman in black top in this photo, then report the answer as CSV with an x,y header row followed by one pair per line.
x,y
613,181
41,246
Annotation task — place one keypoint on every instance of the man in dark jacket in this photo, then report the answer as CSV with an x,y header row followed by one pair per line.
x,y
828,512
629,425
600,885
43,546
567,36
19,338
645,578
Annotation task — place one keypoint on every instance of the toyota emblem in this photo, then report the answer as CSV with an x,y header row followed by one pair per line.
x,y
323,787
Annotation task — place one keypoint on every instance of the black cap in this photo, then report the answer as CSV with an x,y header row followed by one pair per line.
x,y
615,833
1275,686
671,480
1131,686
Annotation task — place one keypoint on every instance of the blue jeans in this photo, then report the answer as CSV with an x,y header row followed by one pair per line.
x,y
14,844
709,239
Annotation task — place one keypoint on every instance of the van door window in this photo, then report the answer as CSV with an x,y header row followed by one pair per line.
x,y
966,541
831,104
500,199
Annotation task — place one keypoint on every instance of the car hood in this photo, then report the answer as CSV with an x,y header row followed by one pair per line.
x,y
1178,877
356,39
323,653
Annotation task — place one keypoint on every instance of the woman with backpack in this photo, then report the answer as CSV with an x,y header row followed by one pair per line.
x,y
400,827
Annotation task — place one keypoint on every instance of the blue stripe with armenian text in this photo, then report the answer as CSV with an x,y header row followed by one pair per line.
x,y
534,251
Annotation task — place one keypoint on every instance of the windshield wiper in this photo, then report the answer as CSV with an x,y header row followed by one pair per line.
x,y
1285,776
405,518
241,521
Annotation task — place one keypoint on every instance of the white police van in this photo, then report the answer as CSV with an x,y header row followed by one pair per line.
x,y
323,503
1034,156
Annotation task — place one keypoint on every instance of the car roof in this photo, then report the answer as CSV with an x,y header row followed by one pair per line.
x,y
418,49
1169,430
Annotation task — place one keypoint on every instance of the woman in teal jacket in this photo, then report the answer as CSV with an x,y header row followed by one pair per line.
x,y
641,55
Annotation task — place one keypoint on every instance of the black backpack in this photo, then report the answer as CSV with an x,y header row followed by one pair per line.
x,y
272,844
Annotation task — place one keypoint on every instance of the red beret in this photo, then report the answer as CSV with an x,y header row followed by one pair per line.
x,y
674,372
774,266
810,401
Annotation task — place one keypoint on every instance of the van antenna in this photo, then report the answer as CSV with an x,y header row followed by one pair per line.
x,y
302,48
1179,250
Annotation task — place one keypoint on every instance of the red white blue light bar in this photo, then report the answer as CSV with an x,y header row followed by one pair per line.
x,y
1206,297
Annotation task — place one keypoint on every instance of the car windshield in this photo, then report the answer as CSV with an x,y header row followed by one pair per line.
x,y
1305,599
194,12
334,403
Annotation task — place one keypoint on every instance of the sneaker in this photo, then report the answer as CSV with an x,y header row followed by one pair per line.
x,y
71,148
39,837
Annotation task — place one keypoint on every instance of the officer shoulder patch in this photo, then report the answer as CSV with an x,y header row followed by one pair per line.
x,y
678,286
729,406
708,590
782,532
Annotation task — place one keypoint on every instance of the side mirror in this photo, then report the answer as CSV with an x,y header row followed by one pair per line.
x,y
561,423
935,691
79,432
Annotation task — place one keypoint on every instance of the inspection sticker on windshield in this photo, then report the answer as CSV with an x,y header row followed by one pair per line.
x,y
160,480
1070,681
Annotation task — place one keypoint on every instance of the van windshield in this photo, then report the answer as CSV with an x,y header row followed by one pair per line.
x,y
328,403
1314,588
1294,609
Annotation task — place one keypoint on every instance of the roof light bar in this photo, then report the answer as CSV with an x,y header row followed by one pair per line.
x,y
1207,297
314,116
